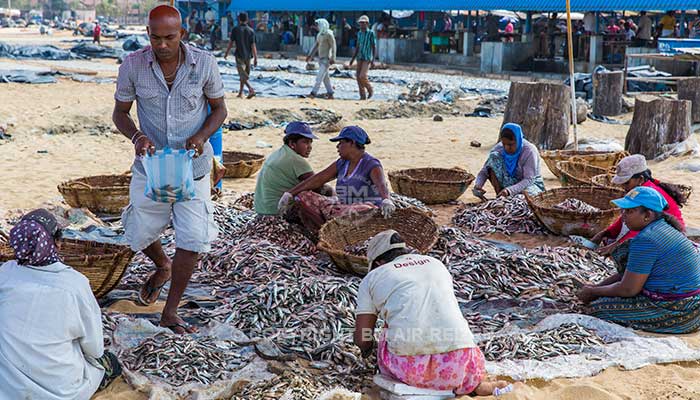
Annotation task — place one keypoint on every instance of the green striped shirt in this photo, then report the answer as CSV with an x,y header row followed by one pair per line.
x,y
365,42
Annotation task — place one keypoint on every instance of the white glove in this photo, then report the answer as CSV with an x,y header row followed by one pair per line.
x,y
283,204
387,208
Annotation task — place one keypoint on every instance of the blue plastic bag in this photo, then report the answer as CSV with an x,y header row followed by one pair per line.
x,y
169,176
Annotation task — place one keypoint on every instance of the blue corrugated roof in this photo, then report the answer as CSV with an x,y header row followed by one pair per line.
x,y
437,5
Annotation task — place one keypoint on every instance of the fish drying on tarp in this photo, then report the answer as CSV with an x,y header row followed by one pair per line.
x,y
505,215
565,340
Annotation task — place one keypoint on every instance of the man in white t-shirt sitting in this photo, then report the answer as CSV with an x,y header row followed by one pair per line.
x,y
425,334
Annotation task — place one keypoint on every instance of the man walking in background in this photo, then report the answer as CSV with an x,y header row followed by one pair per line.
x,y
365,52
243,37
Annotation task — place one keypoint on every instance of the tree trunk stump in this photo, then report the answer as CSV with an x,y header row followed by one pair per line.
x,y
607,93
543,110
689,89
657,122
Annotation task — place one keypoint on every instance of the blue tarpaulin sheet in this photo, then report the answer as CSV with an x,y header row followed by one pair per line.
x,y
422,5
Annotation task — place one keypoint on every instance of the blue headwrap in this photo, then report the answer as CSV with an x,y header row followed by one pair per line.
x,y
511,160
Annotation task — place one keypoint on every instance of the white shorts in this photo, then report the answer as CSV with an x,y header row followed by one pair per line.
x,y
145,220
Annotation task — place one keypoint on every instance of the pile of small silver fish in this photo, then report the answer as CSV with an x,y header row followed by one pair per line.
x,y
245,200
482,323
181,359
313,317
358,249
576,205
109,324
481,270
505,215
297,384
567,339
401,201
277,230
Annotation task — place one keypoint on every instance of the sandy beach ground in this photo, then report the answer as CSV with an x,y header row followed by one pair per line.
x,y
63,131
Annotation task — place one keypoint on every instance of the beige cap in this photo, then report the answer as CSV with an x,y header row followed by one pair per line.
x,y
363,18
380,244
628,167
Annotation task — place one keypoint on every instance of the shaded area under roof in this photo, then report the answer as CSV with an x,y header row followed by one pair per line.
x,y
437,5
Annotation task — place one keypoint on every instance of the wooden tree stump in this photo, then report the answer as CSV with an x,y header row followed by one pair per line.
x,y
543,110
607,93
689,89
657,122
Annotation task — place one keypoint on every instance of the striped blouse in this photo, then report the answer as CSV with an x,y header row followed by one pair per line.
x,y
670,259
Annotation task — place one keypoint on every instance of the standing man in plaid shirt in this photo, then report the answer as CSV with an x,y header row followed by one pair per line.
x,y
172,84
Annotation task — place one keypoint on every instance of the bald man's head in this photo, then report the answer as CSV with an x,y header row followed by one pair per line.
x,y
165,32
164,11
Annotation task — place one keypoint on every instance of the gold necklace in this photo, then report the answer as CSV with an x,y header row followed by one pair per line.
x,y
170,78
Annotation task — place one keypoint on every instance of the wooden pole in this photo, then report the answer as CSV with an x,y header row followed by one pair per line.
x,y
571,71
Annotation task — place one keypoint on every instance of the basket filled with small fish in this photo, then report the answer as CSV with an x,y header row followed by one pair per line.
x,y
101,194
431,185
242,165
605,181
576,173
602,159
183,359
506,215
103,264
593,212
417,229
405,202
564,340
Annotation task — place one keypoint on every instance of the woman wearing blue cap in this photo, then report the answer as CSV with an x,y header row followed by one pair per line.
x,y
513,166
658,290
360,184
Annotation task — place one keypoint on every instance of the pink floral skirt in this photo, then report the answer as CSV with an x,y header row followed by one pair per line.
x,y
459,370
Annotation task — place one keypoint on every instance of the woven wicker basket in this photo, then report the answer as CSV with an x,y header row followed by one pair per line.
x,y
562,222
242,165
103,264
574,173
431,185
415,227
605,181
101,194
602,159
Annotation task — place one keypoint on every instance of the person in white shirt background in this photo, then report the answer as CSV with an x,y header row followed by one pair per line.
x,y
51,344
426,341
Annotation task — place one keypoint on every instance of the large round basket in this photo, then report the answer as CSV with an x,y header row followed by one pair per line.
x,y
605,181
242,165
431,185
602,159
563,222
103,264
101,194
416,227
575,173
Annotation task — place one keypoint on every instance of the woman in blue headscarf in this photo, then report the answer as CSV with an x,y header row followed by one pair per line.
x,y
513,166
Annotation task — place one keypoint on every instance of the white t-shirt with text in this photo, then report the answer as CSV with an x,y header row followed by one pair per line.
x,y
414,295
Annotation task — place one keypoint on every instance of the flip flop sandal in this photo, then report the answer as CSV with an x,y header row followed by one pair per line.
x,y
150,291
184,326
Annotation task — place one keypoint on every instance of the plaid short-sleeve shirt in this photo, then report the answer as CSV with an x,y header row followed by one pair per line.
x,y
170,117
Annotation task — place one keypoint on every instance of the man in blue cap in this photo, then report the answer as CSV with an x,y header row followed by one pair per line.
x,y
284,168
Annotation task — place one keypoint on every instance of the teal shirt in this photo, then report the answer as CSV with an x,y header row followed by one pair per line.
x,y
279,173
365,42
670,259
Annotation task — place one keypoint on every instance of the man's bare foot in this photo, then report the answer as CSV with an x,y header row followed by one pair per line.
x,y
240,95
150,291
486,388
176,324
330,96
370,92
